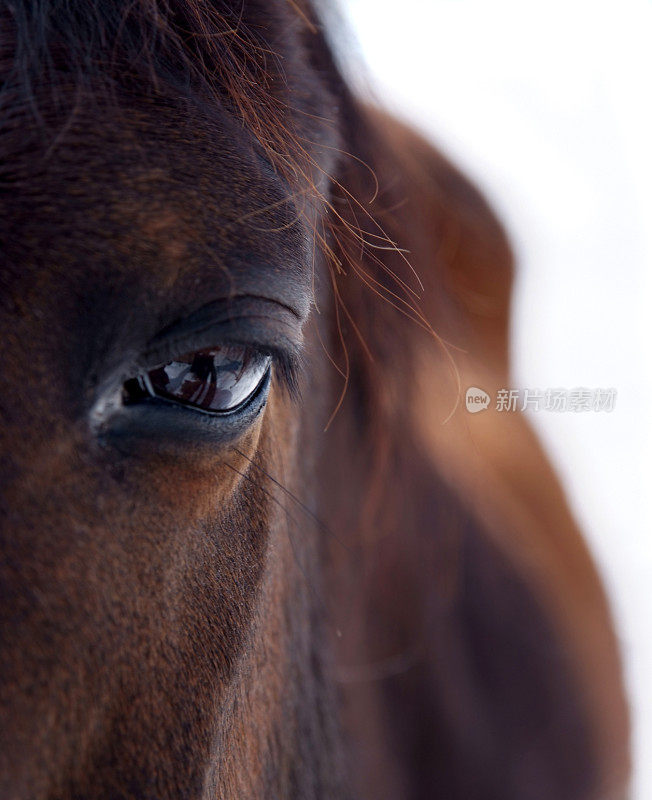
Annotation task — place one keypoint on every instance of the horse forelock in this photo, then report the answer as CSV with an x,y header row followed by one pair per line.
x,y
243,56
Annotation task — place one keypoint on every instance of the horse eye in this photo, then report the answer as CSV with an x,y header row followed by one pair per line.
x,y
218,379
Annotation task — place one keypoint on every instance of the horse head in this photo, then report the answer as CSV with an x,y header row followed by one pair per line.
x,y
252,547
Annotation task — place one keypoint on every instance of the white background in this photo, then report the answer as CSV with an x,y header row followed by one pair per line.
x,y
547,106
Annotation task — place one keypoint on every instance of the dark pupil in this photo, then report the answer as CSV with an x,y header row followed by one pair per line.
x,y
202,365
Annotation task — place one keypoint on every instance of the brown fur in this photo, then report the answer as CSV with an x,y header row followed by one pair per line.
x,y
393,608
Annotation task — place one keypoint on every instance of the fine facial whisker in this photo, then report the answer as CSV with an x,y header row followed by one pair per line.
x,y
320,523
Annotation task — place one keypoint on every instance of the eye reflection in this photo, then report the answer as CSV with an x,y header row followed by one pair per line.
x,y
217,379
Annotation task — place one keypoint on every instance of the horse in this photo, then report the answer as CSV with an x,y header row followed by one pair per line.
x,y
253,546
